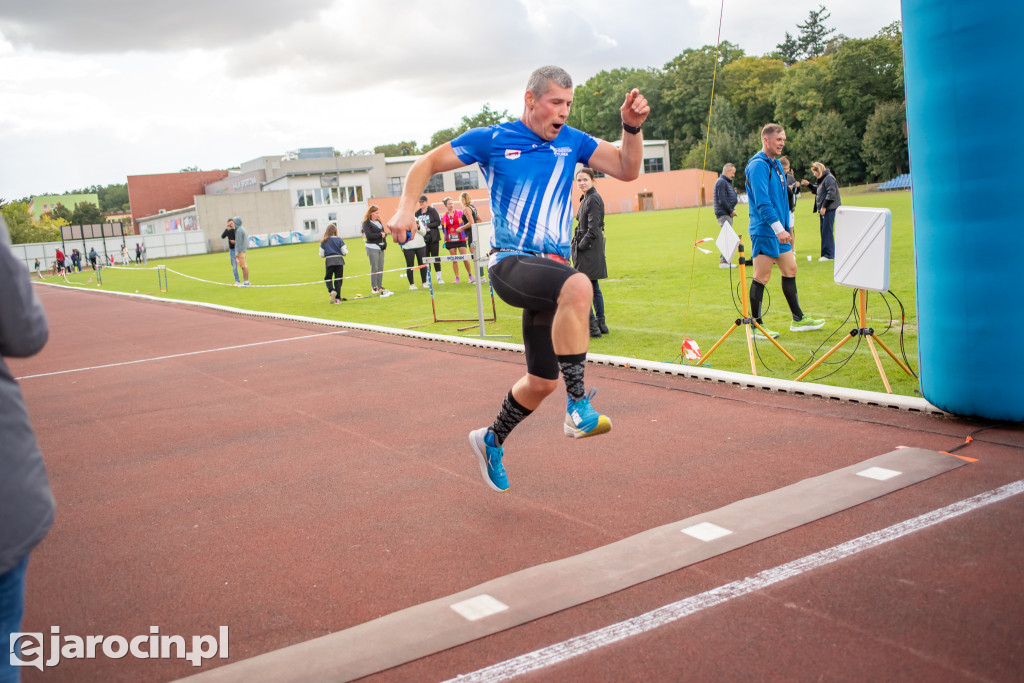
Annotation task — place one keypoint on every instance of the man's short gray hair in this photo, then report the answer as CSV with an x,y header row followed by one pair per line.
x,y
539,79
727,167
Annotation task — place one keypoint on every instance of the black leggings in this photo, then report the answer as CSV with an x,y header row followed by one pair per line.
x,y
333,278
417,254
434,250
533,283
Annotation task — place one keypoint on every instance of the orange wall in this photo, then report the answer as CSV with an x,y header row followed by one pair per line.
x,y
671,189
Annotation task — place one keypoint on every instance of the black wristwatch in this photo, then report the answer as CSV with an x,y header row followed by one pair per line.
x,y
632,130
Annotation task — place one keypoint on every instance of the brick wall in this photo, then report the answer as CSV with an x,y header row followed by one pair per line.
x,y
147,194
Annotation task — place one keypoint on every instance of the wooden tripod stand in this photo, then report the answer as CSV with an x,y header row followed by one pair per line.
x,y
869,334
746,321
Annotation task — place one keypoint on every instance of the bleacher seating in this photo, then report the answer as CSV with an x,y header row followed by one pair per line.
x,y
898,183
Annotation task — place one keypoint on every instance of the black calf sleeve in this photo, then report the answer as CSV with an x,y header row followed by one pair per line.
x,y
756,293
789,289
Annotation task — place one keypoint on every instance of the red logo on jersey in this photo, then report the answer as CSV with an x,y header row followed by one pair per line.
x,y
512,153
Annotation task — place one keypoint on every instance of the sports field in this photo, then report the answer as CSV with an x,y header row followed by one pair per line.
x,y
660,291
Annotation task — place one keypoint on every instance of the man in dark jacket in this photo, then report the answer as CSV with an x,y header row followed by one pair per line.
x,y
725,203
826,201
26,503
428,217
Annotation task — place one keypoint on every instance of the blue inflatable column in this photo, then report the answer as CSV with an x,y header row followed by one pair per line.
x,y
965,121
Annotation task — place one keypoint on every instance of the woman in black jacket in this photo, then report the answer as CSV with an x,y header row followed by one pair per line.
x,y
588,245
376,243
826,201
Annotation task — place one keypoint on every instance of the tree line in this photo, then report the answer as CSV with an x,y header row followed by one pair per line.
x,y
840,100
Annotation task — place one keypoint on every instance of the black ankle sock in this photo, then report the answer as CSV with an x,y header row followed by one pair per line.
x,y
572,372
511,414
789,289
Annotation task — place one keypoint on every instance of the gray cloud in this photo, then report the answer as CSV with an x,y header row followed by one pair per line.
x,y
112,26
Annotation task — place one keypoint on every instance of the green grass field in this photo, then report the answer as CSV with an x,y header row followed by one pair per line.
x,y
660,290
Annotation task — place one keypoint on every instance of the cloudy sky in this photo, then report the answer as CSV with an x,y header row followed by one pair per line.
x,y
91,92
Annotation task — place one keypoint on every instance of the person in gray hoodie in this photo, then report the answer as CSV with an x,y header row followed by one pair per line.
x,y
241,250
26,503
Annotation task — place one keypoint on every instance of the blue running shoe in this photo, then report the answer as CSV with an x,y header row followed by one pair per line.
x,y
489,456
581,420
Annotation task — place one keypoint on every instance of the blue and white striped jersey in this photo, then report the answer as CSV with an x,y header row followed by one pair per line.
x,y
530,180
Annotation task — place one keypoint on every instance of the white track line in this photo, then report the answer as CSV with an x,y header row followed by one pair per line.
x,y
574,647
177,355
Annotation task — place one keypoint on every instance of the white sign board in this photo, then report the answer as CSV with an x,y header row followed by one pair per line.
x,y
863,236
728,241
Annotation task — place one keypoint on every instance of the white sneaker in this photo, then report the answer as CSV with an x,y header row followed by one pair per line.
x,y
386,293
413,287
440,280
824,258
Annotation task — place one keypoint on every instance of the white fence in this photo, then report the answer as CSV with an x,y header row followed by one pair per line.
x,y
157,246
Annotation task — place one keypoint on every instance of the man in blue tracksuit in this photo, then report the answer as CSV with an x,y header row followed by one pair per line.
x,y
771,242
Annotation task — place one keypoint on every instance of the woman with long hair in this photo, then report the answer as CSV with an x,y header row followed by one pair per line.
x,y
826,201
376,243
454,237
588,245
469,220
333,250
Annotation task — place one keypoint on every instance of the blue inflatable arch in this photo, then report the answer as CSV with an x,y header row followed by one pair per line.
x,y
965,122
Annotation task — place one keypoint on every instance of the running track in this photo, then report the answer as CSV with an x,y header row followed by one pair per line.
x,y
291,480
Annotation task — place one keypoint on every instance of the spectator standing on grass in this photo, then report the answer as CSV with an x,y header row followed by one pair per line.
x,y
428,217
826,201
469,220
725,204
454,238
333,252
58,263
771,243
26,502
138,254
588,245
93,257
144,259
125,260
242,250
229,233
36,268
792,192
415,250
376,243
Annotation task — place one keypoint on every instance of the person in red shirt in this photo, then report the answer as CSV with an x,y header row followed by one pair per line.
x,y
454,237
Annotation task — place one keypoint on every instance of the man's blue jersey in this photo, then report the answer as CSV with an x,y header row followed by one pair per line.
x,y
530,180
766,195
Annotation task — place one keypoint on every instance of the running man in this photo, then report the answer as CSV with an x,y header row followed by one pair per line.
x,y
529,165
771,242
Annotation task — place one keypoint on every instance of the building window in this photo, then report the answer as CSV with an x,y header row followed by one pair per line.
x,y
655,165
309,226
394,186
332,217
436,183
466,180
305,197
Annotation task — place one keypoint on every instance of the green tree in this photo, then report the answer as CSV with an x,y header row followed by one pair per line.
x,y
827,138
862,73
61,211
748,84
596,103
397,149
724,143
485,117
19,221
884,149
788,51
800,94
686,93
87,213
114,198
814,34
